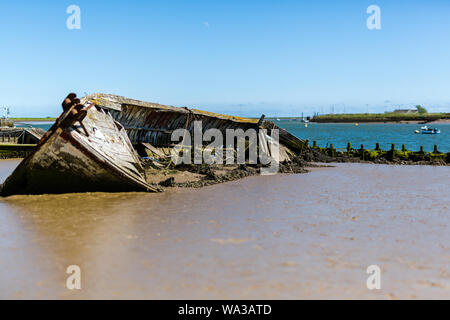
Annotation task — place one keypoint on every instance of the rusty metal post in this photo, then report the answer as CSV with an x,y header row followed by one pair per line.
x,y
261,120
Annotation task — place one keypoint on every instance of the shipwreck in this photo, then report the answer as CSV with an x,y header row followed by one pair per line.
x,y
98,142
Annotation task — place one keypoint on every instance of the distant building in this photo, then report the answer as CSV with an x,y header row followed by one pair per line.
x,y
406,111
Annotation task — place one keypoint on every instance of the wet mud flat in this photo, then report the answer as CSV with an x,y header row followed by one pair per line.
x,y
197,176
264,237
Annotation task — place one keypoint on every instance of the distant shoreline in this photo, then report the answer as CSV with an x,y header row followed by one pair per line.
x,y
440,121
383,118
32,119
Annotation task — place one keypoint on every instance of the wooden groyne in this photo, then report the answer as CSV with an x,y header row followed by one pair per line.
x,y
377,154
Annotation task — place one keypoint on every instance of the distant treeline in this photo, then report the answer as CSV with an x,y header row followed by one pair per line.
x,y
381,117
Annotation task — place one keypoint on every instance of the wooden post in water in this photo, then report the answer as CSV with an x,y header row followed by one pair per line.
x,y
261,120
392,151
377,146
435,149
362,152
314,144
403,148
331,150
421,149
349,148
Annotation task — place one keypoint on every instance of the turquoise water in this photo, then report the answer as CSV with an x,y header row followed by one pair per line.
x,y
369,134
340,133
35,124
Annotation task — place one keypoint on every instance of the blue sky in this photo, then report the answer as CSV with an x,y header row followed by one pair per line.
x,y
239,57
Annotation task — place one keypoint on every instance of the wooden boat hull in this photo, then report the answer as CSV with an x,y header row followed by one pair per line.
x,y
101,156
154,123
21,135
68,160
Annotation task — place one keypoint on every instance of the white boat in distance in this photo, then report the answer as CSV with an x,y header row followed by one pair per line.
x,y
427,130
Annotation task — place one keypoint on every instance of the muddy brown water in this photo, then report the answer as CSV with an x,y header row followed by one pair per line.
x,y
265,237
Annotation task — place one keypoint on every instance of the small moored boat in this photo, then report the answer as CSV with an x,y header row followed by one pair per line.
x,y
427,130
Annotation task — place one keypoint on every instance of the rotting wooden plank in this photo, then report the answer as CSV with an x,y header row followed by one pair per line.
x,y
153,149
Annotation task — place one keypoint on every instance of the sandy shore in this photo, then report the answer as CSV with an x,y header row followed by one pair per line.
x,y
441,121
